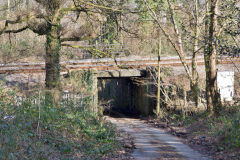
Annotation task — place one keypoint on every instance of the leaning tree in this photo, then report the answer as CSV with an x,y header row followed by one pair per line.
x,y
61,21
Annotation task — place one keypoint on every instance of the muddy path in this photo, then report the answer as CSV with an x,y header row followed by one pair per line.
x,y
153,143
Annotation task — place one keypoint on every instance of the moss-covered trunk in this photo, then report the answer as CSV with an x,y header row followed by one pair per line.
x,y
53,46
212,94
52,81
195,92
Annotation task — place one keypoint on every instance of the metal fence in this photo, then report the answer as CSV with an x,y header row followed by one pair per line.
x,y
91,51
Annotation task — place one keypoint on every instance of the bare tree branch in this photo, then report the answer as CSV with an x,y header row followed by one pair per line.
x,y
7,22
16,30
97,52
177,48
100,6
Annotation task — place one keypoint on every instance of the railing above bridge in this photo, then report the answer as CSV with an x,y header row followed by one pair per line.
x,y
89,51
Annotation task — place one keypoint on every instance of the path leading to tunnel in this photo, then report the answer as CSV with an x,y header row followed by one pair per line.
x,y
153,143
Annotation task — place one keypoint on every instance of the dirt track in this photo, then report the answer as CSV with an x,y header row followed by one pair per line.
x,y
154,144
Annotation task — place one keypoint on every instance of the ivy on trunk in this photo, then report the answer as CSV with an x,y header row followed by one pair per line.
x,y
53,47
213,97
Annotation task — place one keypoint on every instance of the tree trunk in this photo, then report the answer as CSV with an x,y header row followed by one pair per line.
x,y
52,81
212,94
27,5
195,79
206,60
158,109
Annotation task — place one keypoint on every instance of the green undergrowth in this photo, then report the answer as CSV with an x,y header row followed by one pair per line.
x,y
224,129
31,130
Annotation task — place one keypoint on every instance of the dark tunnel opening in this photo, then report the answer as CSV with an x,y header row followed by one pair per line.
x,y
121,97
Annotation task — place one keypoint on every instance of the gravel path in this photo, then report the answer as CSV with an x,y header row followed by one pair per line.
x,y
153,143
